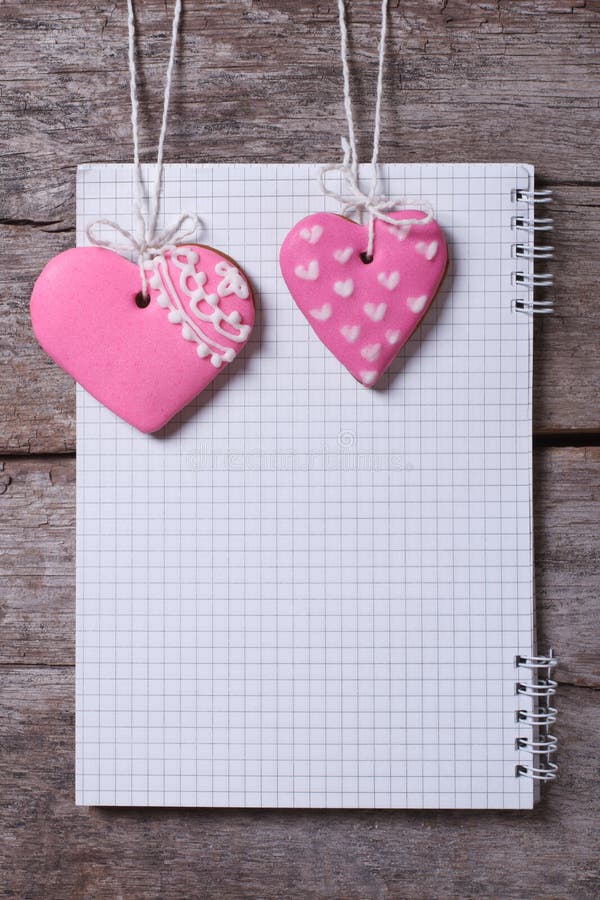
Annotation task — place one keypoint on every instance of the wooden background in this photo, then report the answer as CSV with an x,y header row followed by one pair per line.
x,y
494,80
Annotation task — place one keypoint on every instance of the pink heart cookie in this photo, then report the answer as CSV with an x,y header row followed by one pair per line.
x,y
364,312
145,364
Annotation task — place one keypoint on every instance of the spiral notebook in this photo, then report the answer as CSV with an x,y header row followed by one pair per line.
x,y
305,593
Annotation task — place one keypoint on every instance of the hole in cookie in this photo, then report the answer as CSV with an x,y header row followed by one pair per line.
x,y
141,301
365,257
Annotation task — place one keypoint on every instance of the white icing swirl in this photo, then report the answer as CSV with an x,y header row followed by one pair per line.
x,y
233,281
191,284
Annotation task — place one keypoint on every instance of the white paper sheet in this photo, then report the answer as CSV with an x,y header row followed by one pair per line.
x,y
306,593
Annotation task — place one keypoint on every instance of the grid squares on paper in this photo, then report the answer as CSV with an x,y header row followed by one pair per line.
x,y
305,593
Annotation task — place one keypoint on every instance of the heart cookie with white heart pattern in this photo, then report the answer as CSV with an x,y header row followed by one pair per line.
x,y
364,312
143,360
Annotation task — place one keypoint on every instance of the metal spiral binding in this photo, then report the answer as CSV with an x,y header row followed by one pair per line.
x,y
525,251
541,744
542,195
534,279
532,224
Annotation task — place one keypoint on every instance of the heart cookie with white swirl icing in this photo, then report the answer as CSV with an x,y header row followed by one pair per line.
x,y
364,311
143,358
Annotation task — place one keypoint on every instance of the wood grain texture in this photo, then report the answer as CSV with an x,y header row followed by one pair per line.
x,y
52,849
37,561
259,82
465,81
566,514
37,516
37,399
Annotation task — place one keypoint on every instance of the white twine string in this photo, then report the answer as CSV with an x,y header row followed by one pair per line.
x,y
147,241
356,200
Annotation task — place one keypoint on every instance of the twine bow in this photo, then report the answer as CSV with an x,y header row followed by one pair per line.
x,y
147,244
355,200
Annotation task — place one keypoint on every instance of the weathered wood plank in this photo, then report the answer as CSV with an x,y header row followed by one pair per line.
x,y
566,383
52,849
37,560
37,399
465,81
567,558
37,403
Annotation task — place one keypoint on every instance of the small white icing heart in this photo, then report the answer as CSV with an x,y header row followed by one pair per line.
x,y
427,250
350,332
417,304
392,337
162,300
311,235
370,351
323,313
389,281
376,313
174,316
344,288
342,256
309,272
202,350
399,231
368,377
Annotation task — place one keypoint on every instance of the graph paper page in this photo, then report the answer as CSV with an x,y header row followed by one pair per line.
x,y
305,593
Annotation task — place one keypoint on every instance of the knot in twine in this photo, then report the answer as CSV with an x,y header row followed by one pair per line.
x,y
355,200
148,243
